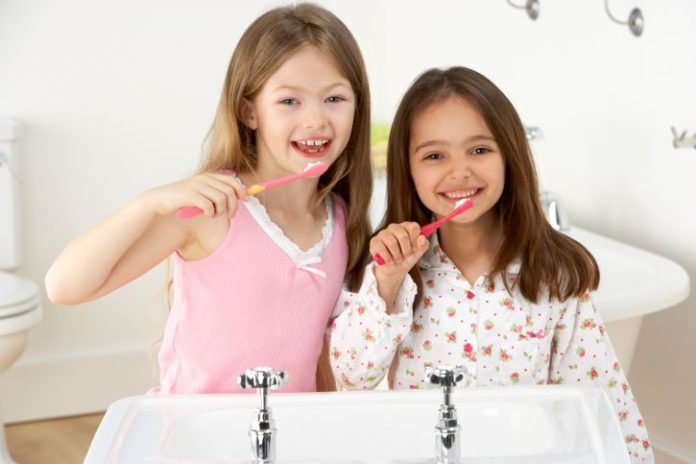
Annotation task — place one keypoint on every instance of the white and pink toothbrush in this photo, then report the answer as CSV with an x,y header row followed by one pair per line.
x,y
428,229
311,170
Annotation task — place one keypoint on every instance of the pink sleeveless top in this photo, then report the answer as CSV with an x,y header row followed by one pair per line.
x,y
258,300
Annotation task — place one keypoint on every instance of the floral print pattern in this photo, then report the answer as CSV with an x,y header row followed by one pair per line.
x,y
501,337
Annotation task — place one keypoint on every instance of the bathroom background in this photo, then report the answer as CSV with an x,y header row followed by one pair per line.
x,y
116,97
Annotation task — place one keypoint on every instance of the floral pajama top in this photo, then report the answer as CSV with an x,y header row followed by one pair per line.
x,y
501,337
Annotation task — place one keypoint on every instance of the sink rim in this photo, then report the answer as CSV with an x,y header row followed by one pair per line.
x,y
668,285
120,416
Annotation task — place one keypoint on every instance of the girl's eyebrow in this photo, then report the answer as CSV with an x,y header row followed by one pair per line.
x,y
294,88
430,143
473,138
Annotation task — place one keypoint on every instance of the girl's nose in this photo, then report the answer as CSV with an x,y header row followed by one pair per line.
x,y
460,169
314,116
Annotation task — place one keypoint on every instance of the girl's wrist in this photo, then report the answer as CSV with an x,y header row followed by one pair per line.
x,y
388,286
148,203
389,279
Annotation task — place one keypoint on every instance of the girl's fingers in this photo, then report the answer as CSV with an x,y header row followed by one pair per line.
x,y
233,189
379,252
392,245
399,244
231,205
214,193
216,197
422,245
239,189
229,184
406,233
404,239
205,205
220,182
413,229
395,243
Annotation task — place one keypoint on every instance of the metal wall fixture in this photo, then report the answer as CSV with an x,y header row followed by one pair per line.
x,y
550,203
635,19
533,133
554,211
682,141
531,6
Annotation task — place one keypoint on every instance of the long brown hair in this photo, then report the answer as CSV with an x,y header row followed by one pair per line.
x,y
550,260
266,44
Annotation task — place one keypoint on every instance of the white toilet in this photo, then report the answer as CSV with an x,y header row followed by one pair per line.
x,y
20,300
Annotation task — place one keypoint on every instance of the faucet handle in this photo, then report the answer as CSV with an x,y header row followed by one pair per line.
x,y
447,376
447,448
262,377
262,432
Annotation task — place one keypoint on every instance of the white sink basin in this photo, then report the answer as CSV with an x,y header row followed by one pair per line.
x,y
633,282
540,424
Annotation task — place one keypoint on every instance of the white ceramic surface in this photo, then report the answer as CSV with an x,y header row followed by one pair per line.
x,y
540,424
633,282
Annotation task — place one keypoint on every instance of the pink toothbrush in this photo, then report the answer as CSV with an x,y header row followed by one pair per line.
x,y
428,229
311,170
459,207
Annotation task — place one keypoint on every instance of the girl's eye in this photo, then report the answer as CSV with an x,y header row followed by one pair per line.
x,y
481,151
289,101
335,99
433,156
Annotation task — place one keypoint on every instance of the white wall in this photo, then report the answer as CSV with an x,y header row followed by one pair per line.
x,y
116,97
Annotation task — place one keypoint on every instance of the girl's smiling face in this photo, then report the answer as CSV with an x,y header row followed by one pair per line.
x,y
303,113
453,155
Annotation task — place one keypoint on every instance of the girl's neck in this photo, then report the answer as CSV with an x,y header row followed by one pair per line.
x,y
293,199
472,247
295,208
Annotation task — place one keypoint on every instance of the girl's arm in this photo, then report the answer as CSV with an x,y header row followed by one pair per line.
x,y
368,326
137,237
583,355
364,336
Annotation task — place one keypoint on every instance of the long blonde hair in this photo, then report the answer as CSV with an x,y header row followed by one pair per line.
x,y
268,42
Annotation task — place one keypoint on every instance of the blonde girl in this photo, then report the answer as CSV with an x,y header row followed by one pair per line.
x,y
255,277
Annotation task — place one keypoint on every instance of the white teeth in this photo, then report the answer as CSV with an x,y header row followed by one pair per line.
x,y
313,143
461,194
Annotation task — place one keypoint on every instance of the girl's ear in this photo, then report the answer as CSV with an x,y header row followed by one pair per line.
x,y
248,114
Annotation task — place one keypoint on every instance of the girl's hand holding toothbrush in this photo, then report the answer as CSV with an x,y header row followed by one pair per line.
x,y
214,194
400,246
310,170
429,229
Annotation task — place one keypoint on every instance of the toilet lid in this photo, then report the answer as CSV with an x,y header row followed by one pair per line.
x,y
15,291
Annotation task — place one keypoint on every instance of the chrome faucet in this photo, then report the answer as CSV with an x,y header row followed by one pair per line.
x,y
262,431
554,212
447,448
